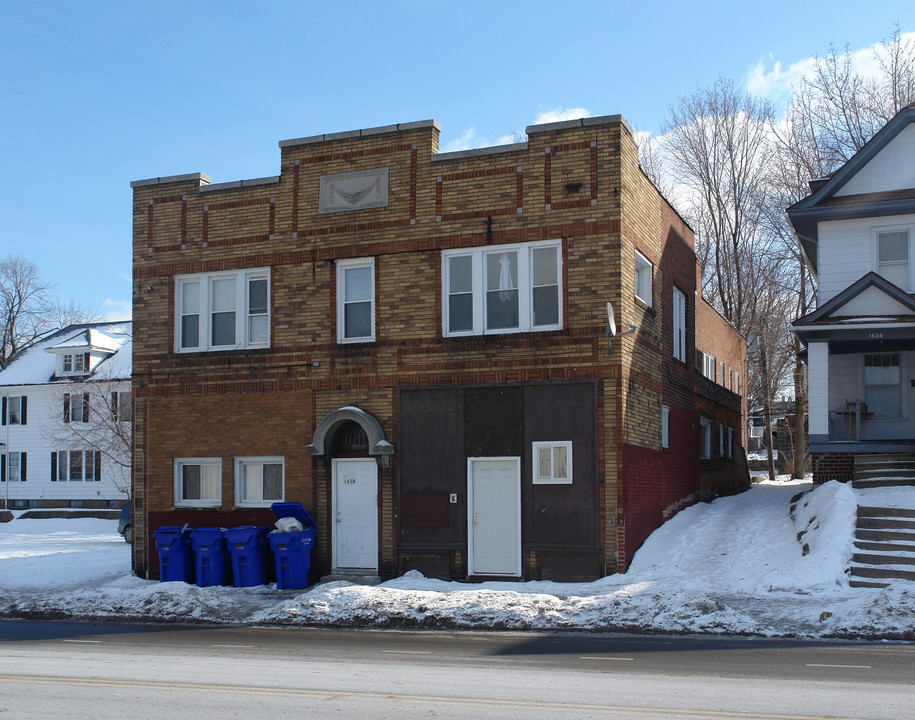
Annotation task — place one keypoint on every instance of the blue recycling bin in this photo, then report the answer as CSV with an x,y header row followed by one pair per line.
x,y
292,550
248,551
212,560
176,556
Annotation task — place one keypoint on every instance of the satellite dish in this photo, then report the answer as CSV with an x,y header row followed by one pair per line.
x,y
611,320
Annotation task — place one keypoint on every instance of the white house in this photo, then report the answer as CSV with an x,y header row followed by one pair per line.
x,y
857,230
65,418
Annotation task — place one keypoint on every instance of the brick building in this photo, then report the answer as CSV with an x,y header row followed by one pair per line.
x,y
412,344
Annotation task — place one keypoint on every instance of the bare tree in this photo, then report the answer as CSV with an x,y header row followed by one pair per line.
x,y
24,303
103,422
28,308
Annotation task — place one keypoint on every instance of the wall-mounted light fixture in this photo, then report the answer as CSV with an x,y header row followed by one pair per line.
x,y
573,186
611,328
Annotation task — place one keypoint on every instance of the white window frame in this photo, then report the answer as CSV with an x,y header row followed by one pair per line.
x,y
644,286
678,303
705,439
14,417
878,265
79,363
10,466
901,364
552,446
709,366
665,426
201,502
342,267
241,464
205,311
525,288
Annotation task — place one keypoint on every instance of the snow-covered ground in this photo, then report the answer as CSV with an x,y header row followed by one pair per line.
x,y
736,565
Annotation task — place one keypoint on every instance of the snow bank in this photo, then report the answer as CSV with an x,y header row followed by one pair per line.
x,y
756,563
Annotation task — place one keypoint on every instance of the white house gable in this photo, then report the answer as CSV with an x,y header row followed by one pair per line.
x,y
893,168
871,303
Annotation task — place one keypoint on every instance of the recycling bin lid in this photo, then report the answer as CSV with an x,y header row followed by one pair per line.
x,y
171,529
294,510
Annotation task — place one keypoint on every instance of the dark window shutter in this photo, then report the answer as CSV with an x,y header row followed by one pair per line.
x,y
86,405
2,468
86,362
24,411
3,411
114,406
22,467
53,466
66,408
98,466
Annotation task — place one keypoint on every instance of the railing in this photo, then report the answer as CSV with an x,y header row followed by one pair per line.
x,y
845,425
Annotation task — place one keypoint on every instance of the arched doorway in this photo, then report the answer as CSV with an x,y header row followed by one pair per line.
x,y
354,441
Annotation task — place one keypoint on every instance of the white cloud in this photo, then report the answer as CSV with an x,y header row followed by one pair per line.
x,y
466,141
117,310
560,115
772,80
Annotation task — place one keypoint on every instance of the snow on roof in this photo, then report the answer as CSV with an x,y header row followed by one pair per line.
x,y
37,364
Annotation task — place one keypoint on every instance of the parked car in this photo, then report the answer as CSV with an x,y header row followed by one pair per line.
x,y
125,523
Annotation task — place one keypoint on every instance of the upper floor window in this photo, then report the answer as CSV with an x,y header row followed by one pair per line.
x,y
222,311
509,288
14,410
679,325
121,406
642,278
356,300
74,363
76,407
708,366
893,256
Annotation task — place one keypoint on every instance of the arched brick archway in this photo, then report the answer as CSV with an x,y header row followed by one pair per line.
x,y
377,444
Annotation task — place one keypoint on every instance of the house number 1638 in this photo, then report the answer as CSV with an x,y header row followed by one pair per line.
x,y
349,481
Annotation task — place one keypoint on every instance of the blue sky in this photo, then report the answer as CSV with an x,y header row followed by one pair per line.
x,y
96,94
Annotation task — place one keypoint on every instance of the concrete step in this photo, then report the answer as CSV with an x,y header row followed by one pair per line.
x,y
882,482
882,573
884,535
885,523
882,559
886,546
873,511
867,584
888,458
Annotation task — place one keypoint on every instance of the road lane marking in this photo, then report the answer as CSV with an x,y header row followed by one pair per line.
x,y
852,667
406,652
230,646
595,657
393,697
82,641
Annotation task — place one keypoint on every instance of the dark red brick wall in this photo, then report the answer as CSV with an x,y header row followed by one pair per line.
x,y
832,466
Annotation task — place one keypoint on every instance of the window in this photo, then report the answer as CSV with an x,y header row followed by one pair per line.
x,y
258,481
76,466
705,439
730,443
721,373
74,363
509,288
14,410
893,257
665,426
642,278
708,366
198,482
721,440
552,463
13,467
76,407
679,325
121,406
882,384
737,382
356,301
222,311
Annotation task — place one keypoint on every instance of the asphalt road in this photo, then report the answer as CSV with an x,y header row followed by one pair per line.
x,y
67,670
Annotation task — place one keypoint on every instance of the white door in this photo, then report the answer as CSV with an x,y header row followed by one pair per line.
x,y
355,509
494,507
